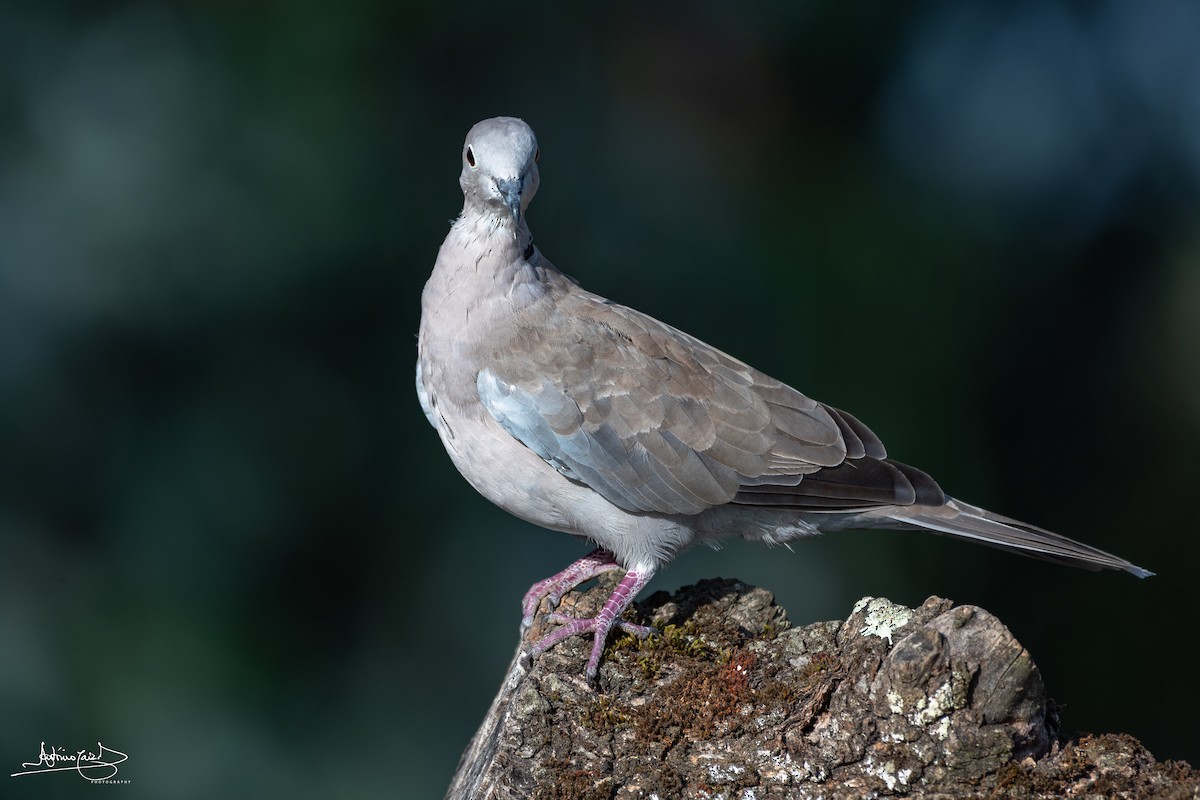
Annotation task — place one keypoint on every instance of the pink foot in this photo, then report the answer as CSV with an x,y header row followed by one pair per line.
x,y
603,623
595,563
632,628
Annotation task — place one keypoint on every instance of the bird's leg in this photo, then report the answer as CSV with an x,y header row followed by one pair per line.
x,y
600,625
595,563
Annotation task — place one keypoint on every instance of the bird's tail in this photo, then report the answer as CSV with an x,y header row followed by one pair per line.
x,y
966,521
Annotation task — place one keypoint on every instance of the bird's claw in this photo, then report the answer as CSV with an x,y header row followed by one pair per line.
x,y
632,628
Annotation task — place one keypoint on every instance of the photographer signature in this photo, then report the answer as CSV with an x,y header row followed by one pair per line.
x,y
100,766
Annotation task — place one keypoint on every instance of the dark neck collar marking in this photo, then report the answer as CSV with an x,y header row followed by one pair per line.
x,y
528,254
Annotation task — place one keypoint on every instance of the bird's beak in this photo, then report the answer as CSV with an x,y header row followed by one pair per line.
x,y
510,191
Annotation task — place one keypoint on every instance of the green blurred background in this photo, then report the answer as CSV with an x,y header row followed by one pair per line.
x,y
230,545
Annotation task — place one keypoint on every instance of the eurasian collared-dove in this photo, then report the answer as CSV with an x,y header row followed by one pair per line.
x,y
588,417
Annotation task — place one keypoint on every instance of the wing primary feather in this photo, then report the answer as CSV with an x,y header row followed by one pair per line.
x,y
850,424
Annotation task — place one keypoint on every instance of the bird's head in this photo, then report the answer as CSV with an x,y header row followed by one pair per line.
x,y
499,166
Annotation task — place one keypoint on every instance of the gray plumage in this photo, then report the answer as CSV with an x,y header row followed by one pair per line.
x,y
584,416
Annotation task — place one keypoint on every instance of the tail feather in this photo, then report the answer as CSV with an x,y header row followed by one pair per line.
x,y
965,521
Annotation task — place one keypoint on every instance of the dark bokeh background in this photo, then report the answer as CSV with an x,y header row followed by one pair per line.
x,y
230,545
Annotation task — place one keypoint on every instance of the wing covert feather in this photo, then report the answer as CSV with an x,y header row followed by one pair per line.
x,y
658,421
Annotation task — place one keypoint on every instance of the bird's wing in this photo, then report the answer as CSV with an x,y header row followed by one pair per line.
x,y
657,421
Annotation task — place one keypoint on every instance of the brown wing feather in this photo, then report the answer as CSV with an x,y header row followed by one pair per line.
x,y
861,483
656,420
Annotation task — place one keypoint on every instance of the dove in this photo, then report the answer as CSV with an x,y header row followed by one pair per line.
x,y
584,416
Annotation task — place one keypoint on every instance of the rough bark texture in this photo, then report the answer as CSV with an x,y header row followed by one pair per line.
x,y
732,702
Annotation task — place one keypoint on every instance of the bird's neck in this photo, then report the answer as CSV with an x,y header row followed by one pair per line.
x,y
485,259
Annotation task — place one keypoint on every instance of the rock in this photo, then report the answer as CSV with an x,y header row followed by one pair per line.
x,y
731,701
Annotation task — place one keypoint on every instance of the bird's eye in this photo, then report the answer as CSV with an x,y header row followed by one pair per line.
x,y
471,157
